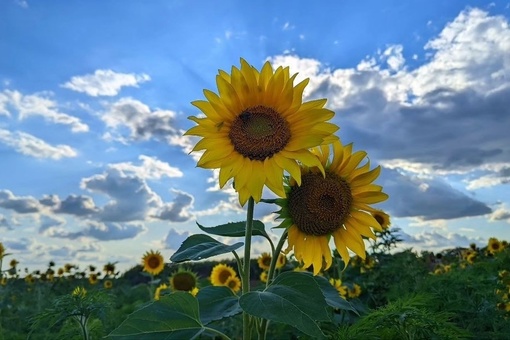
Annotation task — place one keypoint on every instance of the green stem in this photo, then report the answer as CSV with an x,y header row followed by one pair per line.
x,y
239,263
262,330
274,258
217,332
246,270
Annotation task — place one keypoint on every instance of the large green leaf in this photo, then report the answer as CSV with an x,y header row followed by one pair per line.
x,y
331,295
235,229
200,246
292,298
174,316
217,303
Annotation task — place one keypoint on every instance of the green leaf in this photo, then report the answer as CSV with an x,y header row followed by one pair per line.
x,y
292,298
235,229
198,247
217,303
331,295
174,316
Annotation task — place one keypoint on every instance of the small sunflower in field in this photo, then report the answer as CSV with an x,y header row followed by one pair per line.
x,y
183,280
341,289
354,291
2,251
234,283
382,218
30,279
263,276
3,281
79,292
257,127
494,246
68,267
161,288
13,263
281,261
153,262
92,278
109,268
335,203
221,273
108,284
60,271
264,261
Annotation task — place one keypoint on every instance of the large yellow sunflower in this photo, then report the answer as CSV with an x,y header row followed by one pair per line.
x,y
337,204
220,274
153,262
257,127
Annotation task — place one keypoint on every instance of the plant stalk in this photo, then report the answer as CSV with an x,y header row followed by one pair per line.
x,y
247,262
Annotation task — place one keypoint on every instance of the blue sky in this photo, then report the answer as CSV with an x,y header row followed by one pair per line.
x,y
94,98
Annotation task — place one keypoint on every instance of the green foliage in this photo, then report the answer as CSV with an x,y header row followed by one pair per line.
x,y
198,247
237,229
407,319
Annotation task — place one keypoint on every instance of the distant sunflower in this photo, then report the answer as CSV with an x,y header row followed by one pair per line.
x,y
220,274
108,284
2,250
336,204
109,268
162,287
494,245
30,279
341,289
92,278
183,280
13,263
354,291
263,276
234,283
382,218
194,291
3,282
281,261
60,271
264,261
153,262
258,127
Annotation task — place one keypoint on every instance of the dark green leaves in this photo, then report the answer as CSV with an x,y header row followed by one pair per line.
x,y
198,247
236,229
217,303
174,316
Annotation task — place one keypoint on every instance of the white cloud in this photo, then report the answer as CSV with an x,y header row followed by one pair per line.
x,y
38,105
32,146
141,122
105,82
435,241
151,168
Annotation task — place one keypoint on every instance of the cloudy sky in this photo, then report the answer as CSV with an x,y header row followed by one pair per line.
x,y
94,98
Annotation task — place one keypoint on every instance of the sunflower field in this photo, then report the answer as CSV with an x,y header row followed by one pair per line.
x,y
458,293
336,272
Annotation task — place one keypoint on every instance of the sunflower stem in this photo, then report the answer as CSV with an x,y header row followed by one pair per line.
x,y
239,263
274,258
217,332
246,269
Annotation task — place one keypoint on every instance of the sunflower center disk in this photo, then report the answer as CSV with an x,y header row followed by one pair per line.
x,y
320,205
153,262
259,132
184,281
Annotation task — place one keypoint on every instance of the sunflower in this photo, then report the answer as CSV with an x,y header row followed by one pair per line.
x,y
184,280
382,218
234,283
2,250
354,292
337,204
109,268
264,261
108,284
494,245
60,271
13,263
161,287
153,262
3,282
257,127
220,274
263,276
282,260
92,278
30,279
194,291
341,289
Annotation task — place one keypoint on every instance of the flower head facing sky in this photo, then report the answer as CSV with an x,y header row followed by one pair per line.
x,y
257,127
337,204
153,263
